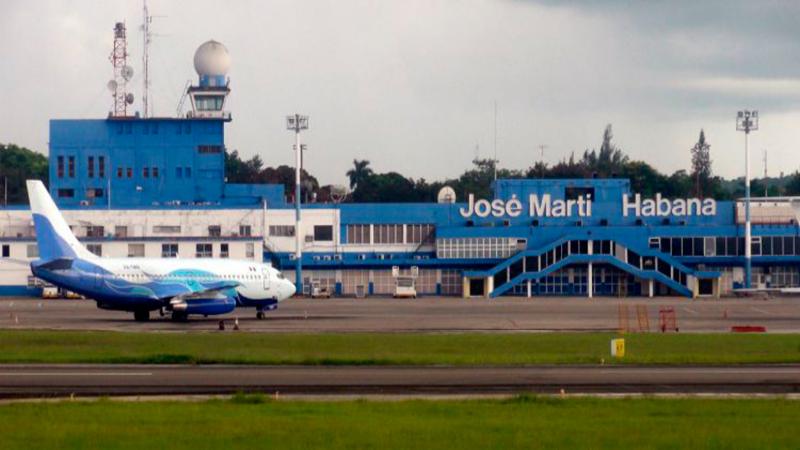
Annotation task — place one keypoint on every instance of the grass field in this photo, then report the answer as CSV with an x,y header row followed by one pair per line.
x,y
373,349
523,422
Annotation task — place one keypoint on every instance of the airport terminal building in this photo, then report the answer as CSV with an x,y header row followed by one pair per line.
x,y
155,187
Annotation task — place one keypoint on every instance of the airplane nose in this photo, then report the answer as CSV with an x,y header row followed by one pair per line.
x,y
289,288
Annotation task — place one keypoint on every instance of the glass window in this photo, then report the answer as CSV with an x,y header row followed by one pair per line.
x,y
95,231
32,251
188,172
71,166
101,166
249,250
135,250
730,246
719,243
766,245
169,250
97,249
60,170
223,250
323,232
6,251
203,251
214,230
179,172
245,230
281,230
121,231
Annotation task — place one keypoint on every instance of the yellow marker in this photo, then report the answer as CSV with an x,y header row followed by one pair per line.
x,y
618,348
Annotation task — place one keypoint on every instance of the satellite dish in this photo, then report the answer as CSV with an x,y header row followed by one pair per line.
x,y
446,195
338,193
129,98
127,73
111,85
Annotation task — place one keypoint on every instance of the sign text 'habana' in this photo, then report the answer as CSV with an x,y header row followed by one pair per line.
x,y
546,206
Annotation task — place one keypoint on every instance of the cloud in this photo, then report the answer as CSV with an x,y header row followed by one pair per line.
x,y
411,85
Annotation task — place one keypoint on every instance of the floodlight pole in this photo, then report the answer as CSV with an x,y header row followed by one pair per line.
x,y
297,123
747,121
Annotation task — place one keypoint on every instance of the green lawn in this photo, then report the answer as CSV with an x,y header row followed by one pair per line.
x,y
422,349
523,422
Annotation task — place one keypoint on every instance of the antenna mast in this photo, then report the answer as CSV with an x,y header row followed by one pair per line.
x,y
147,36
766,182
122,72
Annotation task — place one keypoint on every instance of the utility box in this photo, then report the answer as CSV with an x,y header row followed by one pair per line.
x,y
618,348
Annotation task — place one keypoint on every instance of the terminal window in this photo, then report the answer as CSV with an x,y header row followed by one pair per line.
x,y
214,230
166,229
224,251
358,234
169,250
71,166
245,230
95,231
135,250
209,149
281,230
203,251
90,167
66,193
323,232
6,250
250,250
97,249
60,170
101,166
388,234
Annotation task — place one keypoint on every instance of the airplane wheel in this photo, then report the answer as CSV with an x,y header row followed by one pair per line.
x,y
260,315
141,316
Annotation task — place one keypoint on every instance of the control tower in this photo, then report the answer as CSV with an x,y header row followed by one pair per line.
x,y
211,62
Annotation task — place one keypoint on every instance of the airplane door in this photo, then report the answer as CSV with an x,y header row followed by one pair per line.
x,y
265,277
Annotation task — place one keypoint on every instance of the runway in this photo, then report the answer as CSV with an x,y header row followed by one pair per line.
x,y
430,314
18,381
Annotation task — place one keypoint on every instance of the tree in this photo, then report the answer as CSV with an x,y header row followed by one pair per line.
x,y
238,171
701,165
359,172
385,187
18,164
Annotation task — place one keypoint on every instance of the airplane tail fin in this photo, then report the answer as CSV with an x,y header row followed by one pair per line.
x,y
53,235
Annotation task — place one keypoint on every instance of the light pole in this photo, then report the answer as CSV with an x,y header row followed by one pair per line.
x,y
297,123
747,121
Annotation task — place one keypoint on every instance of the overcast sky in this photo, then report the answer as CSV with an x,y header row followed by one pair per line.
x,y
411,84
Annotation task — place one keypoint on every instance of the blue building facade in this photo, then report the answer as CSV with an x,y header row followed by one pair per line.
x,y
133,162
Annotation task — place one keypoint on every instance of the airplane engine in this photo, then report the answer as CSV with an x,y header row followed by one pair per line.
x,y
204,306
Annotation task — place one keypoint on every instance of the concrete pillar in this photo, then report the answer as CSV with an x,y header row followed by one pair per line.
x,y
529,288
488,286
589,277
650,285
465,287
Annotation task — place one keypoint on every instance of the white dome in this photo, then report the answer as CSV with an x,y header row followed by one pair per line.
x,y
212,59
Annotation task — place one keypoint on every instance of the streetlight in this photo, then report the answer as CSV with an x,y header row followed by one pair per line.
x,y
747,121
297,123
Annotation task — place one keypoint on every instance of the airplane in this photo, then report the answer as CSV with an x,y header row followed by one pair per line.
x,y
141,285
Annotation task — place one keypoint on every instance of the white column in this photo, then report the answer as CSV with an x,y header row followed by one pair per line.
x,y
650,288
529,288
589,281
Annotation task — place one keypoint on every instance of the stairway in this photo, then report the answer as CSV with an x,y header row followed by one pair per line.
x,y
643,263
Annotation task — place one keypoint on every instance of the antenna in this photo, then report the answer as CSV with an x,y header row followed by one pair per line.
x,y
122,72
494,162
182,100
766,182
147,37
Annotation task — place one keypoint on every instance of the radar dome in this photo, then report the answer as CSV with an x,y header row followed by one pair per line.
x,y
212,59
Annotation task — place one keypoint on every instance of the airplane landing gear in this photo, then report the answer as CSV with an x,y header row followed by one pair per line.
x,y
141,315
260,315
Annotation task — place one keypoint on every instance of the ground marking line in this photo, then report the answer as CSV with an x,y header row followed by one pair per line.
x,y
74,374
766,313
691,311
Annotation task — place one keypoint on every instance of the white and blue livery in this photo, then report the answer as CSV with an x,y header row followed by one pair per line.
x,y
142,285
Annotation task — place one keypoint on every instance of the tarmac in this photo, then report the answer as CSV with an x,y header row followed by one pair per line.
x,y
26,381
430,314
